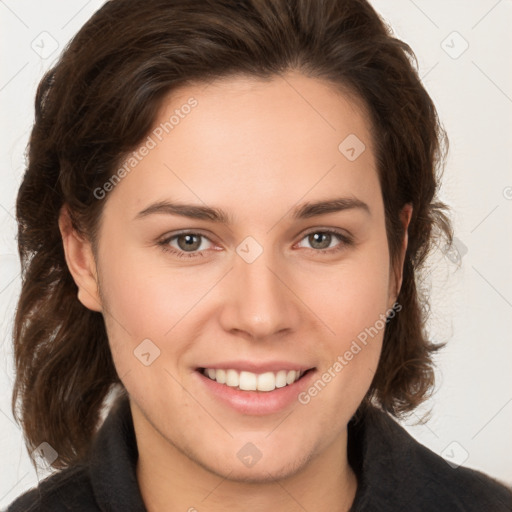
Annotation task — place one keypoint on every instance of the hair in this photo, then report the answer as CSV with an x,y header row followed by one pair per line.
x,y
101,99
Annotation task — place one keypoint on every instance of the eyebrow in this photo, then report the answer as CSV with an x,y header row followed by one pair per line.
x,y
304,211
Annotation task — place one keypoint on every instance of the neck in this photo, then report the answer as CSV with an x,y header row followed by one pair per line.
x,y
170,480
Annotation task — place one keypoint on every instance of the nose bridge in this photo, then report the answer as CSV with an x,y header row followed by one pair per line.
x,y
259,302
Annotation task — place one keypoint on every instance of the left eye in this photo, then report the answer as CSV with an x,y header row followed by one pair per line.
x,y
321,240
187,243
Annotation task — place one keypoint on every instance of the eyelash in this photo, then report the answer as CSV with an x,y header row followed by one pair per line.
x,y
344,239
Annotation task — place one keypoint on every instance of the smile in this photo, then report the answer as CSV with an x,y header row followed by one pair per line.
x,y
249,381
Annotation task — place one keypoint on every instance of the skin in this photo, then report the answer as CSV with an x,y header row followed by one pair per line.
x,y
257,150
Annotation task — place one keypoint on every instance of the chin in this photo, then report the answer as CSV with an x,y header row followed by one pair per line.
x,y
262,471
249,464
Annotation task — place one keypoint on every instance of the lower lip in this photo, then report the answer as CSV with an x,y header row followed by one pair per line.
x,y
257,403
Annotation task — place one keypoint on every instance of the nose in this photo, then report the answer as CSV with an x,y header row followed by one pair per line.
x,y
260,302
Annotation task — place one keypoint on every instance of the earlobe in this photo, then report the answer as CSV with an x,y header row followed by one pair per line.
x,y
80,261
405,219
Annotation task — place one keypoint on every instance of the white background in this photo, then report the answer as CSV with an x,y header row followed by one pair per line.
x,y
471,411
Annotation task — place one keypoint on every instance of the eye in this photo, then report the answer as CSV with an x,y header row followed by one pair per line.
x,y
190,244
321,241
187,244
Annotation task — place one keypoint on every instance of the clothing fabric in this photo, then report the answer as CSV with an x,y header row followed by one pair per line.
x,y
394,472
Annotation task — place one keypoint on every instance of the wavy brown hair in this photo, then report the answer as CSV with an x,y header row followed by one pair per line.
x,y
99,102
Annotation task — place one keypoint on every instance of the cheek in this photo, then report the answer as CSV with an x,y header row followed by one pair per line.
x,y
146,300
145,297
353,297
351,352
136,308
353,306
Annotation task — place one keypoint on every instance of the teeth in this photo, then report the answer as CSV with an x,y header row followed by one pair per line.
x,y
232,378
248,381
266,381
281,379
290,377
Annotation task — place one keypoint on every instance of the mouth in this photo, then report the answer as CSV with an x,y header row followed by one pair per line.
x,y
248,381
253,387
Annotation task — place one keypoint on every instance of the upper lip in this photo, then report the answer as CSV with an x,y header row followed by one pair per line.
x,y
257,367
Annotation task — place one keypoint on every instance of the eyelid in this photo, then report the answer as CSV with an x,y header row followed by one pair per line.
x,y
166,239
344,237
337,231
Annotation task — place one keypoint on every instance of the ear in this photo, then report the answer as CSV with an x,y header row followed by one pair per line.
x,y
405,219
80,261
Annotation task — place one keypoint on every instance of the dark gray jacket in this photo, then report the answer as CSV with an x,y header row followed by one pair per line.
x,y
394,471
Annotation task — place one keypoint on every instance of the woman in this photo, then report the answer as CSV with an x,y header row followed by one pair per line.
x,y
224,213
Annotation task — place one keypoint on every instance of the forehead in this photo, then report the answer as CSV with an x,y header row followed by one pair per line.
x,y
282,139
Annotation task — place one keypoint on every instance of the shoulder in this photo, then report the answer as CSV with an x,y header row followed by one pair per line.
x,y
399,473
67,490
104,479
458,487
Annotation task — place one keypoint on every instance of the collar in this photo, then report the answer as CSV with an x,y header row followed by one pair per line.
x,y
113,461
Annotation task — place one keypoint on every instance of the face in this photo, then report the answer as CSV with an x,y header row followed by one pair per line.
x,y
234,321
